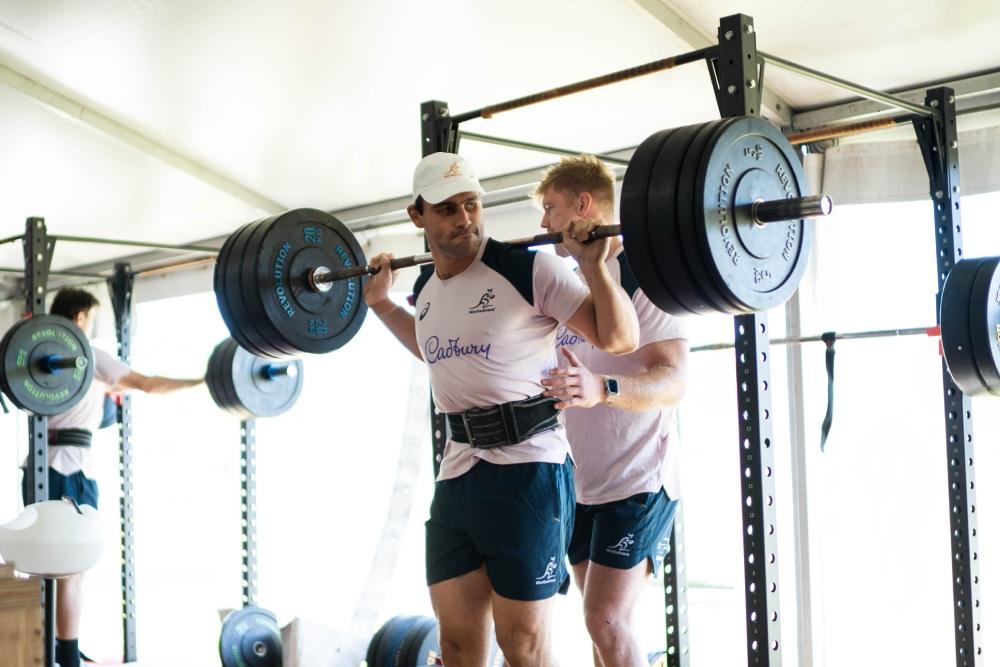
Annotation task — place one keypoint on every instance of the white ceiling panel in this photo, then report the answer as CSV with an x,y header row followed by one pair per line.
x,y
316,103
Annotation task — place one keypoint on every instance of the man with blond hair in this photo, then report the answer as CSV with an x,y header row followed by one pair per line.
x,y
487,315
620,414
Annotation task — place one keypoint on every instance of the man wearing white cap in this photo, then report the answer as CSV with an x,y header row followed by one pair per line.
x,y
503,505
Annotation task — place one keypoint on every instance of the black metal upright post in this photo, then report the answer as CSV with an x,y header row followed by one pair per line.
x,y
437,133
938,138
37,259
737,73
120,286
675,595
248,508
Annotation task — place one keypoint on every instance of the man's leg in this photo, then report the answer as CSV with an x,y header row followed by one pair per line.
x,y
69,602
580,577
462,607
524,631
609,599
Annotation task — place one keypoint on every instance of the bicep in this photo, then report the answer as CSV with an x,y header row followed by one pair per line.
x,y
584,320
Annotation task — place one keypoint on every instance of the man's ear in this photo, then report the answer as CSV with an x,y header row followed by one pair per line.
x,y
584,201
414,214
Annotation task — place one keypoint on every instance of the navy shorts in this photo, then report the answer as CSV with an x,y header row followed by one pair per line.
x,y
76,486
623,533
516,519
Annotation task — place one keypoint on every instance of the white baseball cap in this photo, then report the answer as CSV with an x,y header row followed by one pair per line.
x,y
442,175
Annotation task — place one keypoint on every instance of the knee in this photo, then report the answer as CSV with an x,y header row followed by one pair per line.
x,y
519,643
607,625
461,646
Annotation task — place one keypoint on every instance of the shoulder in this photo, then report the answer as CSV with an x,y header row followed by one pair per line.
x,y
426,271
516,265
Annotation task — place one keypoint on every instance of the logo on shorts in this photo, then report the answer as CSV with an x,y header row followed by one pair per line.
x,y
484,305
549,576
423,312
621,546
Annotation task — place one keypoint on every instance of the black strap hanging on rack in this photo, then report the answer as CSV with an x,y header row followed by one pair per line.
x,y
829,338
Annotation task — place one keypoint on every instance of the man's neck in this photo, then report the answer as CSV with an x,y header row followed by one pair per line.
x,y
449,267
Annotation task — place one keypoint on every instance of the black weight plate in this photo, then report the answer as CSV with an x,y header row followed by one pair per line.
x,y
220,383
632,213
984,321
276,346
248,334
257,393
213,376
250,638
292,244
663,218
956,339
25,348
689,200
395,630
412,651
222,260
373,645
241,282
757,266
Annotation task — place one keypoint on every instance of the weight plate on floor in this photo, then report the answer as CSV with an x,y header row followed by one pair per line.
x,y
250,638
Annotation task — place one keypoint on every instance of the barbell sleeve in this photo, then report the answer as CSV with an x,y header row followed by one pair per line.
x,y
272,371
780,210
54,363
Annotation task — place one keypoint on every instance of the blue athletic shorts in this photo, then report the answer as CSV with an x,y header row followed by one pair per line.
x,y
623,533
76,486
516,519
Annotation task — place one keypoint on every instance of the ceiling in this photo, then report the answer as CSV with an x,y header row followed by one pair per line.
x,y
179,120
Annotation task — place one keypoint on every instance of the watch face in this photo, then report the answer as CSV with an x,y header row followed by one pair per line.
x,y
611,384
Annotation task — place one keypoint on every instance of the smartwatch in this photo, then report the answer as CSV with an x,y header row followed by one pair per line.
x,y
611,389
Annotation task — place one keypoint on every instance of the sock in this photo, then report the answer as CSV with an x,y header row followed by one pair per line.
x,y
68,652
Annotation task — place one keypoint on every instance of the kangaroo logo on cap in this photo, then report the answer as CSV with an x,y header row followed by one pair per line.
x,y
453,170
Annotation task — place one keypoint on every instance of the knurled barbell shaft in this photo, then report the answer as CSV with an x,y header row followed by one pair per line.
x,y
764,211
780,210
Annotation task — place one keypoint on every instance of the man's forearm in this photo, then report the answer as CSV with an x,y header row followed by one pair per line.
x,y
653,389
163,385
617,326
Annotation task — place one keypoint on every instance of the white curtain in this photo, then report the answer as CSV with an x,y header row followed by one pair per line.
x,y
893,171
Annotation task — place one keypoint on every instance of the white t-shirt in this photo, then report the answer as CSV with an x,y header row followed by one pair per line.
x,y
620,453
488,336
86,414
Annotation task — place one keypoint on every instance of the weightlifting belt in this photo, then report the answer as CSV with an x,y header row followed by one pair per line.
x,y
71,437
505,424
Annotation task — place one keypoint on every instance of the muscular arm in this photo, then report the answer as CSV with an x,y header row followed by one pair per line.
x,y
400,322
661,384
154,384
607,317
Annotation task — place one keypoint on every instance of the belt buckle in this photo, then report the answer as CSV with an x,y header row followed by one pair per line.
x,y
468,428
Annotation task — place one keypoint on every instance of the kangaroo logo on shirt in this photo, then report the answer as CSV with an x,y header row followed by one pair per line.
x,y
549,576
484,305
621,546
423,311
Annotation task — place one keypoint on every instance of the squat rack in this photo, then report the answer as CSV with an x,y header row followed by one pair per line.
x,y
38,248
736,69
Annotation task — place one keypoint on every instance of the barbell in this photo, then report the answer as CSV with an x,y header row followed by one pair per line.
x,y
713,219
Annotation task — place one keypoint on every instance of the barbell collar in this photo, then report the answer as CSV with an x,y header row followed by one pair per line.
x,y
55,363
782,210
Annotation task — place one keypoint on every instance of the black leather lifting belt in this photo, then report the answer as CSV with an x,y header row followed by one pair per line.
x,y
505,424
71,437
